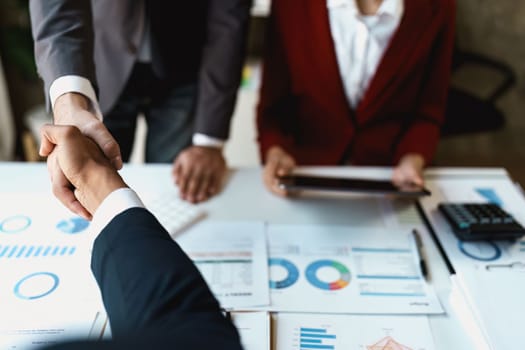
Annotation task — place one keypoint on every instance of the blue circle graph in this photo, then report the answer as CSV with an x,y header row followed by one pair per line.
x,y
15,224
493,252
73,225
36,296
341,282
292,273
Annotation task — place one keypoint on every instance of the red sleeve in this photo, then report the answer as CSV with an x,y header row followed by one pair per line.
x,y
422,134
275,93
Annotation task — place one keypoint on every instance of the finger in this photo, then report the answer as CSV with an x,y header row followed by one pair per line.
x,y
203,192
63,190
177,171
216,178
270,177
46,144
184,178
286,166
269,172
194,183
100,134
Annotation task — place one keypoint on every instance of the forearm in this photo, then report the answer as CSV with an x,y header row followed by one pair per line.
x,y
63,34
145,278
221,68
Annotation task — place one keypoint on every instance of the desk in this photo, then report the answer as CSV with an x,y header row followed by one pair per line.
x,y
245,198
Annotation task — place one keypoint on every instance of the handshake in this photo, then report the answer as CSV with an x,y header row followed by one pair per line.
x,y
81,175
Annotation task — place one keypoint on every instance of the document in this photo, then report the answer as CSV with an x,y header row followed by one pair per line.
x,y
232,257
47,291
475,255
254,329
341,269
41,328
496,300
332,332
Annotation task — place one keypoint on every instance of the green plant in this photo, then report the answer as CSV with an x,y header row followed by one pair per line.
x,y
16,42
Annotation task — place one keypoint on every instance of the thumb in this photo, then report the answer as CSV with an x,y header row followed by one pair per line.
x,y
53,135
102,137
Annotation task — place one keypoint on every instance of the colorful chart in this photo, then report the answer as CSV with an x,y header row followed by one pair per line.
x,y
292,273
316,338
490,195
482,251
15,224
73,225
34,251
344,272
387,343
36,285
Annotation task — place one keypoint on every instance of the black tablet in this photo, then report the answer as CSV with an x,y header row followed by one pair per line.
x,y
300,182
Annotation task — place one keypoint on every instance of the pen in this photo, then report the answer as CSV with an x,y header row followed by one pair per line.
x,y
419,249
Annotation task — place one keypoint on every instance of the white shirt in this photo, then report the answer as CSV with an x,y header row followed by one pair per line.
x,y
361,41
81,85
115,203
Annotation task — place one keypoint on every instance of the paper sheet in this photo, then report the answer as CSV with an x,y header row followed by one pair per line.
x,y
232,257
496,299
254,329
48,292
339,269
476,254
332,332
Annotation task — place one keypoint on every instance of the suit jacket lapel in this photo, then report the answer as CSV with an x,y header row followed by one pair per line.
x,y
404,42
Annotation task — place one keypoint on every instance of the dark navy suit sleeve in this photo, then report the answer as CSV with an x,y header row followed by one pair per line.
x,y
154,295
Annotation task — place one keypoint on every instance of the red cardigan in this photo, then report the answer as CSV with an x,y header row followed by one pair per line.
x,y
303,106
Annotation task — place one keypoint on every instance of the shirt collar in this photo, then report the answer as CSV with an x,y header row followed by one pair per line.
x,y
393,8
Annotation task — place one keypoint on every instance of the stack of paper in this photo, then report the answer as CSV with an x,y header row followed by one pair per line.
x,y
497,305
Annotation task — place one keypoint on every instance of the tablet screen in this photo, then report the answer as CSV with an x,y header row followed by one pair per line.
x,y
295,182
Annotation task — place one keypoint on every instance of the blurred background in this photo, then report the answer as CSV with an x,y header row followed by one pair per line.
x,y
485,122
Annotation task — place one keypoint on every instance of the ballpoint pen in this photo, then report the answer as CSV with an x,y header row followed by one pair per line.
x,y
419,249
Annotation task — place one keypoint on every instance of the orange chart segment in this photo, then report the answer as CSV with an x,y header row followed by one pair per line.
x,y
387,343
313,279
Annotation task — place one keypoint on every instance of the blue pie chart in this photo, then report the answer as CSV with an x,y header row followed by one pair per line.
x,y
292,273
73,225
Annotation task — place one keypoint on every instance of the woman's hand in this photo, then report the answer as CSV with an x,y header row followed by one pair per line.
x,y
278,163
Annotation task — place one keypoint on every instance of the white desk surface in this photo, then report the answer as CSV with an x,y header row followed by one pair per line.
x,y
245,198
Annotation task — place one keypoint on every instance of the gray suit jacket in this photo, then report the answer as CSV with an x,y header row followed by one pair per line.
x,y
199,41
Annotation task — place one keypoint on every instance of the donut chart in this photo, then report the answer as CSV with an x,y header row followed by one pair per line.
x,y
292,273
15,224
341,282
73,225
481,251
44,283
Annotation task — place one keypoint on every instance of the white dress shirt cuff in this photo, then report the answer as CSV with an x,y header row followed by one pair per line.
x,y
78,84
115,203
207,141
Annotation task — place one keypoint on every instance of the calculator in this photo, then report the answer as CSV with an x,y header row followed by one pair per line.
x,y
481,221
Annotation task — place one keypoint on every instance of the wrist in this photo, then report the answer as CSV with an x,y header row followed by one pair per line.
x,y
96,189
66,105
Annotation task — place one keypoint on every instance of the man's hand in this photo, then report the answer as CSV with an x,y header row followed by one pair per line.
x,y
89,176
73,109
278,163
198,172
409,171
